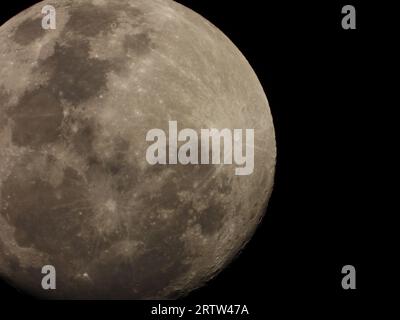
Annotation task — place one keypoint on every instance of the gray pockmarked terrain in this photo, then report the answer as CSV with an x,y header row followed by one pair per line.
x,y
76,191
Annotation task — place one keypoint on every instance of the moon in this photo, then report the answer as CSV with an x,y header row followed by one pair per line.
x,y
76,191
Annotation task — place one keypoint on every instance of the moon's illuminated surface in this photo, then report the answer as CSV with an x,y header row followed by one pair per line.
x,y
76,190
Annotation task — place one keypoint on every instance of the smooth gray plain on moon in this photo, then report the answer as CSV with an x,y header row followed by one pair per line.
x,y
76,191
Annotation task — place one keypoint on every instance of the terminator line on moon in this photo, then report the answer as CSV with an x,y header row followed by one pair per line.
x,y
76,191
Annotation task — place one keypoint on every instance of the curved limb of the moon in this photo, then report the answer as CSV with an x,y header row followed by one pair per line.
x,y
76,191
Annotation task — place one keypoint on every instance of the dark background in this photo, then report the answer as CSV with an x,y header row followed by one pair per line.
x,y
326,208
